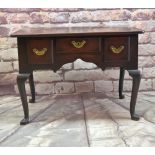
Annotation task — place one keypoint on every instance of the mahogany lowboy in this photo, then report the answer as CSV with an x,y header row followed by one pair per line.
x,y
50,48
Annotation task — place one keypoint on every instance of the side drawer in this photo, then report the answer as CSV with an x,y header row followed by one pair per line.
x,y
116,49
40,51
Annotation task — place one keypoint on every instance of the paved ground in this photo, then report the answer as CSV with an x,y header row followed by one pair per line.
x,y
88,119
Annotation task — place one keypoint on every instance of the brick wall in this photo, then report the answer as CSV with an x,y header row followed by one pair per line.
x,y
78,76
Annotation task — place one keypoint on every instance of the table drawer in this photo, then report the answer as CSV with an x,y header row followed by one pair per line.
x,y
39,51
77,45
116,49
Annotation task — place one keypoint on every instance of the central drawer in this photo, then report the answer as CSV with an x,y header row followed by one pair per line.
x,y
77,45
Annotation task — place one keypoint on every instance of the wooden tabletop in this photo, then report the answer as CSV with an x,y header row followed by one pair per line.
x,y
70,31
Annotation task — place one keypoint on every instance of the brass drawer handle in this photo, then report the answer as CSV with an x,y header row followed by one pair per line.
x,y
39,52
117,50
78,44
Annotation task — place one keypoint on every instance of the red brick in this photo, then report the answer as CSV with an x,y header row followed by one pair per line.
x,y
120,15
142,14
147,26
4,31
7,90
18,10
153,14
3,18
100,15
9,42
18,18
8,79
61,17
83,16
63,9
39,17
144,38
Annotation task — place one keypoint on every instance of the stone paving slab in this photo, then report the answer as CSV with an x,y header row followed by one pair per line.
x,y
114,125
108,142
78,120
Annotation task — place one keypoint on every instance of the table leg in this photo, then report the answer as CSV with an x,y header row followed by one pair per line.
x,y
136,75
121,80
21,79
32,88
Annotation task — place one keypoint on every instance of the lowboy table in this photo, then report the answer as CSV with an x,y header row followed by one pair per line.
x,y
50,48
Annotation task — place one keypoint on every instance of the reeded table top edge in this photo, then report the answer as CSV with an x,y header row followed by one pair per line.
x,y
69,31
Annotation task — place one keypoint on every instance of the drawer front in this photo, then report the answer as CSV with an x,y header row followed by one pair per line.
x,y
77,45
39,51
116,49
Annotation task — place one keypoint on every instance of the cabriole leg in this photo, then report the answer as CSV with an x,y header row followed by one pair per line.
x,y
121,80
32,88
21,79
136,76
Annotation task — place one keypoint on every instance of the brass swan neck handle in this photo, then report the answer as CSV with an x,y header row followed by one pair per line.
x,y
78,44
39,52
117,50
